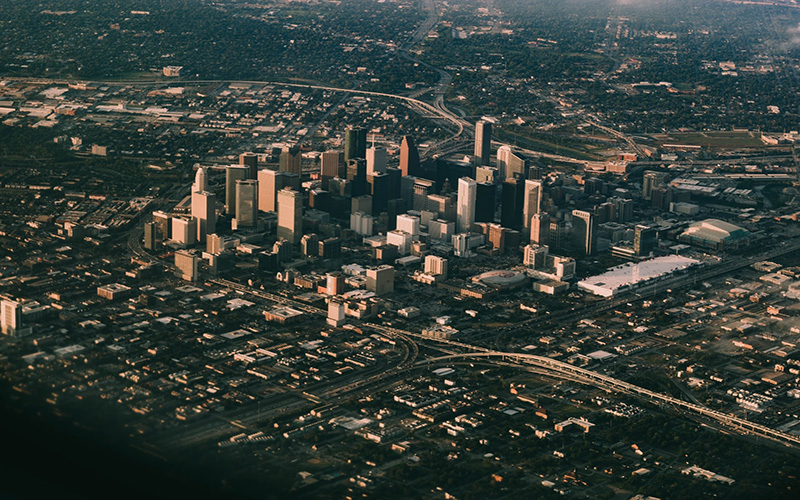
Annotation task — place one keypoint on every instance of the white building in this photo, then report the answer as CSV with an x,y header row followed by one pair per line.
x,y
465,206
401,239
409,224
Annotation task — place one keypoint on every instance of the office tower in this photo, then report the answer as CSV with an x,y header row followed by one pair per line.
x,y
291,160
283,249
334,283
340,187
400,239
442,205
436,266
363,224
661,197
512,164
465,208
623,210
319,199
409,156
290,215
233,173
184,230
269,183
163,224
376,160
650,180
150,236
584,237
357,175
355,143
409,224
441,230
361,204
335,316
379,189
380,280
246,203
200,180
204,211
329,163
485,196
483,141
557,234
644,240
395,179
592,186
511,203
540,229
535,256
531,202
309,245
10,317
421,189
186,261
249,160
330,248
486,174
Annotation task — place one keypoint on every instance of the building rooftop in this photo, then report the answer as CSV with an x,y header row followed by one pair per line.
x,y
622,277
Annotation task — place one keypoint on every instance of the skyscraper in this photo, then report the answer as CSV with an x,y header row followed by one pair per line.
x,y
329,165
200,180
485,202
376,160
465,208
483,141
532,202
233,173
512,196
644,240
584,238
246,203
291,160
357,175
290,215
10,317
269,183
150,236
540,229
249,160
409,156
355,143
652,179
204,204
511,164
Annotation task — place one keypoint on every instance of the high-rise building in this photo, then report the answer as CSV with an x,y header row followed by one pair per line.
x,y
246,203
535,256
592,186
436,266
150,236
163,224
421,189
584,237
540,229
485,196
512,164
380,184
465,208
291,160
363,224
511,204
269,183
409,224
330,161
233,173
309,245
409,156
184,230
650,180
330,248
357,175
10,317
200,180
380,280
361,204
186,261
532,202
334,283
644,240
486,174
376,160
249,160
441,230
483,141
290,215
355,143
204,211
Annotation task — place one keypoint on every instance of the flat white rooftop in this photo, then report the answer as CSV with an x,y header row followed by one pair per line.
x,y
620,278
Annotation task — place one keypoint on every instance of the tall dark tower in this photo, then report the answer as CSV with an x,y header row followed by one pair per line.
x,y
512,201
357,175
484,202
355,143
250,160
409,156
